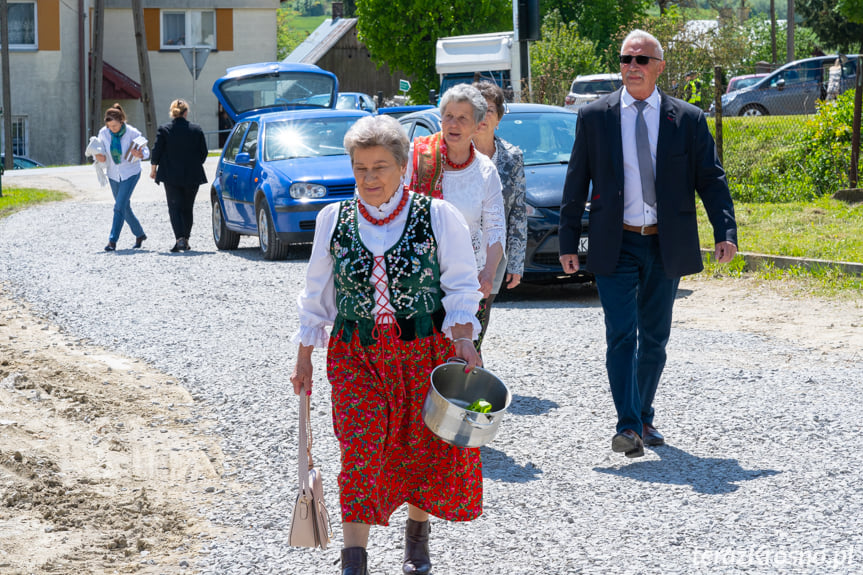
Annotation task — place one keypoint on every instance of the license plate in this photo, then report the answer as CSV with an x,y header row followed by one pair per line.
x,y
582,245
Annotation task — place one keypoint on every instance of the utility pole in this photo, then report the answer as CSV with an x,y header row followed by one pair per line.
x,y
7,88
773,31
144,71
96,68
790,44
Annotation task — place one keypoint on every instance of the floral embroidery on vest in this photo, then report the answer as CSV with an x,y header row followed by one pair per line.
x,y
411,264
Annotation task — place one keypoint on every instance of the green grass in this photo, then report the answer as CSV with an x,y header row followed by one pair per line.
x,y
757,151
307,24
822,229
15,199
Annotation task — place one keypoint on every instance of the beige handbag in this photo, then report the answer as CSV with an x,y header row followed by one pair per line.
x,y
310,524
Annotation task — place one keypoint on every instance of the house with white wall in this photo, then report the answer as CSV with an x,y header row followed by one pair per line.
x,y
50,42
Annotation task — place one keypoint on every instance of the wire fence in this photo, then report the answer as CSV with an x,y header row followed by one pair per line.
x,y
786,136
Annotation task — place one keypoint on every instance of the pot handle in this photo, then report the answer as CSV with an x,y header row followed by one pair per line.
x,y
455,360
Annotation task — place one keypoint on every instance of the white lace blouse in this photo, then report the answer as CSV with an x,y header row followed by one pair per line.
x,y
316,304
476,192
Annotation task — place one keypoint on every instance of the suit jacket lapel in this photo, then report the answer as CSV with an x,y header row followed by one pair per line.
x,y
612,128
668,125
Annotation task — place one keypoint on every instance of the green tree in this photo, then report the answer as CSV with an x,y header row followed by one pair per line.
x,y
688,47
558,58
403,33
806,43
287,36
834,29
598,20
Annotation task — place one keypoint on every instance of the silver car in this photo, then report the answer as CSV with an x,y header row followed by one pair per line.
x,y
586,89
792,89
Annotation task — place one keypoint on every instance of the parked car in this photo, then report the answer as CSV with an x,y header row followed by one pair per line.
x,y
586,89
399,111
284,160
545,135
792,89
740,82
20,162
355,101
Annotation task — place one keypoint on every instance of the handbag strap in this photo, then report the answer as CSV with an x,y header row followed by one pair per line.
x,y
304,457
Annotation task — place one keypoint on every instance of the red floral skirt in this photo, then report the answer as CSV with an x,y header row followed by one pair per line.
x,y
389,457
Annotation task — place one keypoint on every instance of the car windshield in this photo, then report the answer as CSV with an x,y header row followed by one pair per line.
x,y
272,90
289,139
346,102
543,137
595,86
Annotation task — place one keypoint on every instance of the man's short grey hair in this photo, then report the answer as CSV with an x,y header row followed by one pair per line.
x,y
383,131
465,93
645,36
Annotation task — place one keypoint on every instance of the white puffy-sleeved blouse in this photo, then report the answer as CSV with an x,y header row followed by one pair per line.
x,y
316,304
476,192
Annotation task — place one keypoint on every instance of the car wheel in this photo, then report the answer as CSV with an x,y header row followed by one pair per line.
x,y
753,110
225,239
271,246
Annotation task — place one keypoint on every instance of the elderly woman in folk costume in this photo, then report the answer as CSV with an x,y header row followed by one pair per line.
x,y
393,273
509,161
446,165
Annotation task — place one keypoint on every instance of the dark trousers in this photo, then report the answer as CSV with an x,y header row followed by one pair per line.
x,y
181,206
483,315
636,301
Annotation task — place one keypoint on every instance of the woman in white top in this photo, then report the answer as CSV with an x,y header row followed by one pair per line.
x,y
446,165
392,272
125,152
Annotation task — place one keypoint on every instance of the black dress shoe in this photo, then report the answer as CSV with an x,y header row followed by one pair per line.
x,y
184,245
177,246
651,435
139,240
111,246
628,443
417,548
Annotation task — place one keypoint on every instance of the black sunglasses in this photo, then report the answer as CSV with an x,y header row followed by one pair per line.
x,y
641,59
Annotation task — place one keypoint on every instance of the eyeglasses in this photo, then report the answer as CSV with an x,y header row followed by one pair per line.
x,y
641,59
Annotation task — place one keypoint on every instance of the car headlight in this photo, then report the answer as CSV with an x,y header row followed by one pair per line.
x,y
728,98
531,211
303,190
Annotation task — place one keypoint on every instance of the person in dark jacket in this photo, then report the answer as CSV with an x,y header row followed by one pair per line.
x,y
178,161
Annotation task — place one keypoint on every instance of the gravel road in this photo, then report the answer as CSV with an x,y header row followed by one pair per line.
x,y
761,473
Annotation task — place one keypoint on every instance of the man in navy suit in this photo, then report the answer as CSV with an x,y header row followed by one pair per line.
x,y
646,154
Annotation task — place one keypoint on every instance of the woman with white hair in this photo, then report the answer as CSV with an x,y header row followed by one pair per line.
x,y
392,272
447,165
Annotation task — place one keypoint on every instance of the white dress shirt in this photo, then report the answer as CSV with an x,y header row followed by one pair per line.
x,y
129,165
317,302
476,192
635,211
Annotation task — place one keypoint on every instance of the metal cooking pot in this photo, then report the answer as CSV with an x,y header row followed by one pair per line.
x,y
451,391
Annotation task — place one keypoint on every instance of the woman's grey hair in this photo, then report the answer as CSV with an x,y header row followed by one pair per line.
x,y
465,93
645,36
385,131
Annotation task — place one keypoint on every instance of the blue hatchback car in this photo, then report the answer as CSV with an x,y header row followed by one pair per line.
x,y
284,160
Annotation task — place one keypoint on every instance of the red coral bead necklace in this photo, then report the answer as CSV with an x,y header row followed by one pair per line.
x,y
389,218
453,165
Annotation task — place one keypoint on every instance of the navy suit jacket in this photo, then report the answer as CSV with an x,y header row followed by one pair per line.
x,y
686,162
179,153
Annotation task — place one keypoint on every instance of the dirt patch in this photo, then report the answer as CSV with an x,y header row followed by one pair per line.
x,y
773,308
103,464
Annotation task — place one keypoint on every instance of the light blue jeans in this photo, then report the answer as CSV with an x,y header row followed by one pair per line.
x,y
123,209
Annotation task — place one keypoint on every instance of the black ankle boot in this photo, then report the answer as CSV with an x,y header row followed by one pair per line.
x,y
354,561
417,547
